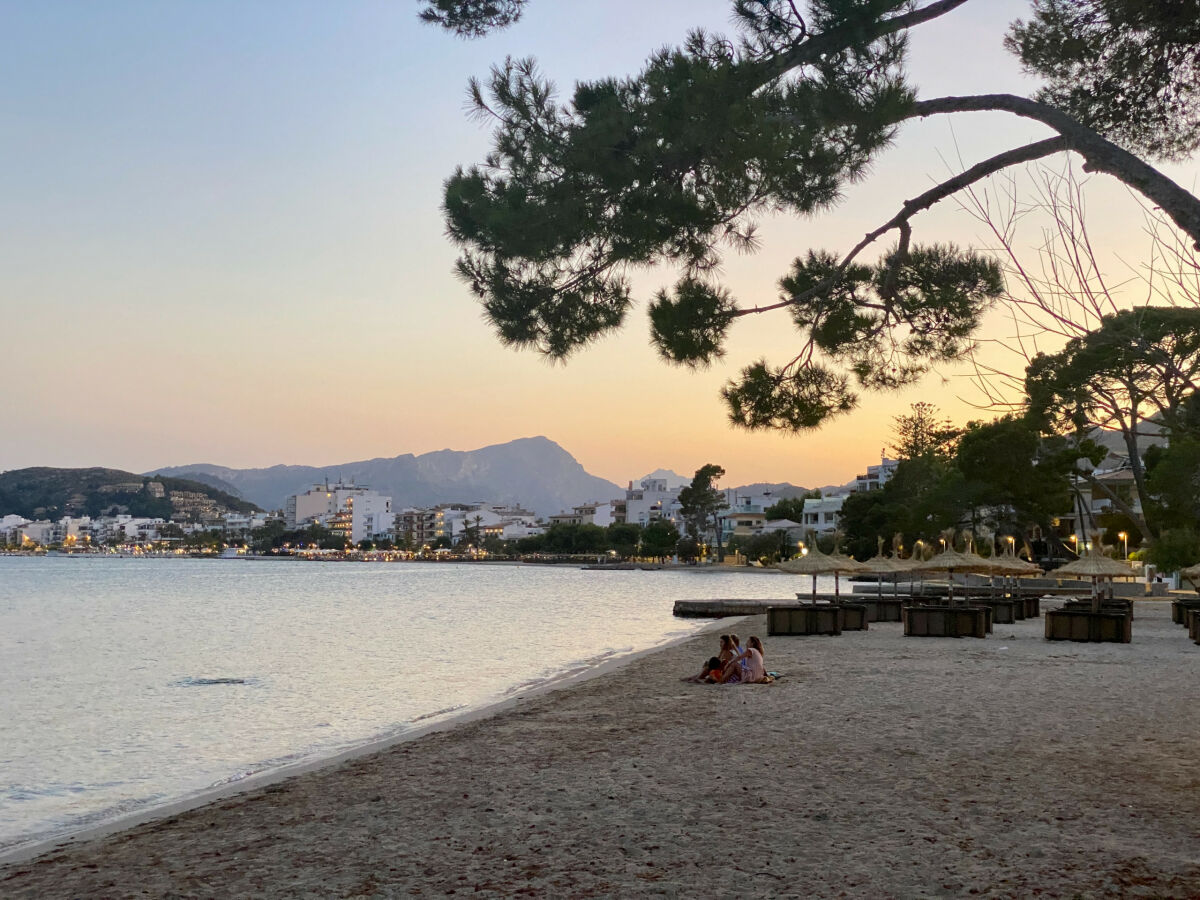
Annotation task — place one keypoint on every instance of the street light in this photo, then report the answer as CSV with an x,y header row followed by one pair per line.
x,y
1125,539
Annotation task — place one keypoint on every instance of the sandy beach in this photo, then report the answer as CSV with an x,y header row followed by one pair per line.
x,y
879,766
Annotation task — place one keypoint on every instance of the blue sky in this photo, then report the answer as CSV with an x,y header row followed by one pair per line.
x,y
220,241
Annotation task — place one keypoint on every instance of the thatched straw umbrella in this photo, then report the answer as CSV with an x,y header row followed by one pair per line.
x,y
951,561
816,563
1095,566
884,565
1007,564
914,565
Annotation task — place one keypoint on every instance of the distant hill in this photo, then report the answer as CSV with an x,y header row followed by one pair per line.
x,y
778,490
535,472
46,493
672,478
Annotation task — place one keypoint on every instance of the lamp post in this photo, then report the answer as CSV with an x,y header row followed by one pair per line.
x,y
1124,540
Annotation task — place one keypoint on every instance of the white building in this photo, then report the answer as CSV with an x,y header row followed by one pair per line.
x,y
603,514
43,533
77,528
822,515
744,516
651,500
492,520
359,513
240,525
877,476
10,529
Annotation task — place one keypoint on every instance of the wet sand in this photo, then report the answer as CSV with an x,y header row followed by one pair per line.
x,y
879,766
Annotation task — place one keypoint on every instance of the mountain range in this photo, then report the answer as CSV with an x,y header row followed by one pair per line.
x,y
49,493
534,472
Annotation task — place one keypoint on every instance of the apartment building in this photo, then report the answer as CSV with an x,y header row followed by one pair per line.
x,y
355,511
876,476
609,512
652,499
823,515
420,526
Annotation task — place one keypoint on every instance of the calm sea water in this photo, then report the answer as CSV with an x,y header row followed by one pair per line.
x,y
127,683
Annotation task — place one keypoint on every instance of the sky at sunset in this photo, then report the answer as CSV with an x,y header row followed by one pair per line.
x,y
220,242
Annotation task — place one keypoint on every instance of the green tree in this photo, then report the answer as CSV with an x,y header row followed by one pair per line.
x,y
924,496
700,504
533,543
770,546
590,539
624,538
495,545
1174,549
326,539
1018,476
1135,374
687,549
659,539
865,517
560,538
674,165
788,508
924,432
1173,482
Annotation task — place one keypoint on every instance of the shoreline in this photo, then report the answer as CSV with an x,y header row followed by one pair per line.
x,y
32,849
878,766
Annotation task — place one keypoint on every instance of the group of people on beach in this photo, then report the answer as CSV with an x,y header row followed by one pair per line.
x,y
733,665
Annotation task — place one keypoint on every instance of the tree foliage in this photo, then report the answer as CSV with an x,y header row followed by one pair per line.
x,y
1136,375
1018,476
1139,363
1002,475
701,501
1173,483
923,433
675,164
624,537
471,18
659,539
1130,69
790,508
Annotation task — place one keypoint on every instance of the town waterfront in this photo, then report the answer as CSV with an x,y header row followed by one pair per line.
x,y
130,683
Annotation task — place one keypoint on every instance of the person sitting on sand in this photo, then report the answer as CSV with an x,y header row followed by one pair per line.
x,y
735,646
726,652
710,674
747,667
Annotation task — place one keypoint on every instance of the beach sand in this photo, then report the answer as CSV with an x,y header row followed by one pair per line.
x,y
879,766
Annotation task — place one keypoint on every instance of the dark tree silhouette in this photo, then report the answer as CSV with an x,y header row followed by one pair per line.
x,y
673,165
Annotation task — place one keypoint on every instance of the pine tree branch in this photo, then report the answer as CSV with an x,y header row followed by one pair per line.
x,y
923,202
1100,154
818,46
